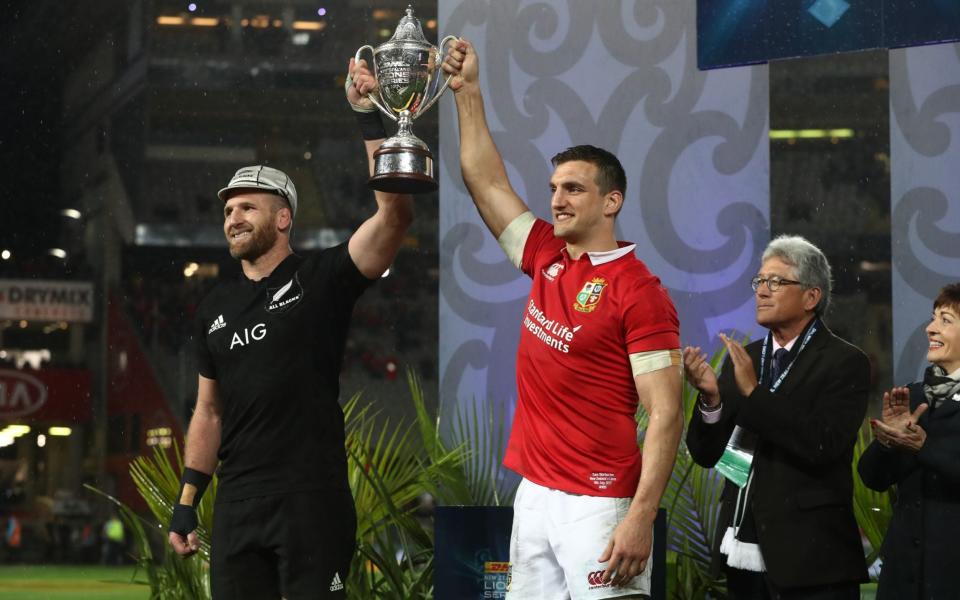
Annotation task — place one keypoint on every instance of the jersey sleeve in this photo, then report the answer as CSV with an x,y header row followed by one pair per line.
x,y
540,238
650,318
336,278
205,364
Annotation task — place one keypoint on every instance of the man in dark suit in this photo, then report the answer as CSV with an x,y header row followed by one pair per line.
x,y
781,422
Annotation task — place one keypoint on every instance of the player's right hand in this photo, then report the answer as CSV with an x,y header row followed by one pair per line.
x,y
183,530
461,62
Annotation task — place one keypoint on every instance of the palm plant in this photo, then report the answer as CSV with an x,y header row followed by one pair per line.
x,y
158,482
482,434
389,471
389,466
871,508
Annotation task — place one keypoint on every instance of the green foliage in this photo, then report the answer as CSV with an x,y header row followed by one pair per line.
x,y
482,435
170,577
871,508
389,467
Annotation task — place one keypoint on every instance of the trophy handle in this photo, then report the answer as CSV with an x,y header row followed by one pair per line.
x,y
373,67
446,82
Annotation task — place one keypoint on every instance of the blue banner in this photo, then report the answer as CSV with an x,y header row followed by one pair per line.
x,y
472,552
739,32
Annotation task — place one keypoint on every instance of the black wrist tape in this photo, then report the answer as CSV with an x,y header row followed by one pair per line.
x,y
198,480
184,519
371,125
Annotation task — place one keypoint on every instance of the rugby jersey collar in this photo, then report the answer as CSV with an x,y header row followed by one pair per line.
x,y
285,270
602,258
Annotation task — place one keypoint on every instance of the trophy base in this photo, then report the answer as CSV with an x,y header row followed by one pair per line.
x,y
403,170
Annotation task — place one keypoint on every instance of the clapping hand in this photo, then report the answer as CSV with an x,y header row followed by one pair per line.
x,y
898,427
896,408
700,375
742,366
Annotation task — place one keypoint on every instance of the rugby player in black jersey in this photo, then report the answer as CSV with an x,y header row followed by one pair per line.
x,y
270,347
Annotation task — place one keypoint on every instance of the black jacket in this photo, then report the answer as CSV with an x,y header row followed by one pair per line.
x,y
802,492
922,547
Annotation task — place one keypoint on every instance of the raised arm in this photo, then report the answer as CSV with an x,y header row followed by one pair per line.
x,y
480,162
374,245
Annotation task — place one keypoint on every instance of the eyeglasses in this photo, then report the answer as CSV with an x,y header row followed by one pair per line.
x,y
773,283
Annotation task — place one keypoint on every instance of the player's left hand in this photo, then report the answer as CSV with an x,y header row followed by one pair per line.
x,y
628,551
360,82
742,366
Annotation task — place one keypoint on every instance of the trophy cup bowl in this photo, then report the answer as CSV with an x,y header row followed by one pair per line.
x,y
407,70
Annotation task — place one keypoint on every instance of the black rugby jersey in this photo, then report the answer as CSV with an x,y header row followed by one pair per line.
x,y
275,348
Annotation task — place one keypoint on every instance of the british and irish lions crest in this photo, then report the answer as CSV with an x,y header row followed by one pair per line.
x,y
589,295
408,73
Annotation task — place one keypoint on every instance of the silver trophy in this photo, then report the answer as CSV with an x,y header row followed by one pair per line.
x,y
407,69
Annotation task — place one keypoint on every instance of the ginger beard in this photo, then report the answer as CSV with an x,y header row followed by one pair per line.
x,y
250,241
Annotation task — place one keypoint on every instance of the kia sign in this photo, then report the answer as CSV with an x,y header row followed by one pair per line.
x,y
45,395
46,300
20,394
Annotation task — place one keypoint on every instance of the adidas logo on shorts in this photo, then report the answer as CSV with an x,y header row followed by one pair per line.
x,y
218,323
336,585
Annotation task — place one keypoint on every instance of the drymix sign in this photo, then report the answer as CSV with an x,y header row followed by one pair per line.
x,y
46,300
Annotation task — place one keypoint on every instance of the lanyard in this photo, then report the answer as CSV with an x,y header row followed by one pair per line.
x,y
737,460
768,343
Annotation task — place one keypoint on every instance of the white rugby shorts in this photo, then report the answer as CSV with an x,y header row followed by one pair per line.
x,y
556,540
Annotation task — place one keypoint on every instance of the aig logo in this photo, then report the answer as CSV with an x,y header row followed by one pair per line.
x,y
249,334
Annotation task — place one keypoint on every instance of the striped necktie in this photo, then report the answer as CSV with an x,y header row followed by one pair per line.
x,y
779,364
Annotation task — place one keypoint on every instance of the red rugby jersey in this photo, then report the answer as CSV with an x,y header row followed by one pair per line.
x,y
574,428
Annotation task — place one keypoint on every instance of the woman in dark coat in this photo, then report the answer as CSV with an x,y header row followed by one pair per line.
x,y
917,448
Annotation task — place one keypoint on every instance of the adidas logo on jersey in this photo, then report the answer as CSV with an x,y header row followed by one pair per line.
x,y
218,323
336,585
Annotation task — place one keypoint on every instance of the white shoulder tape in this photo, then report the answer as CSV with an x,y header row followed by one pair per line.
x,y
654,360
514,237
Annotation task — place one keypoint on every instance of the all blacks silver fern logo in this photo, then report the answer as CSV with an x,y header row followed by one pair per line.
x,y
283,298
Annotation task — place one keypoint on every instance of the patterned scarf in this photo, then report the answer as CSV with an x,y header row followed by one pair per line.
x,y
938,386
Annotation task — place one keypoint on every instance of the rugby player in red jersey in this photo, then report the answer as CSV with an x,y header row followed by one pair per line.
x,y
599,335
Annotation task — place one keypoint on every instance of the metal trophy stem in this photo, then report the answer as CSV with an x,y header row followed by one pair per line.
x,y
406,68
403,164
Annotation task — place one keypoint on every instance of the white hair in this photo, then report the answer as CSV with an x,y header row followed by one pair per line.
x,y
809,264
